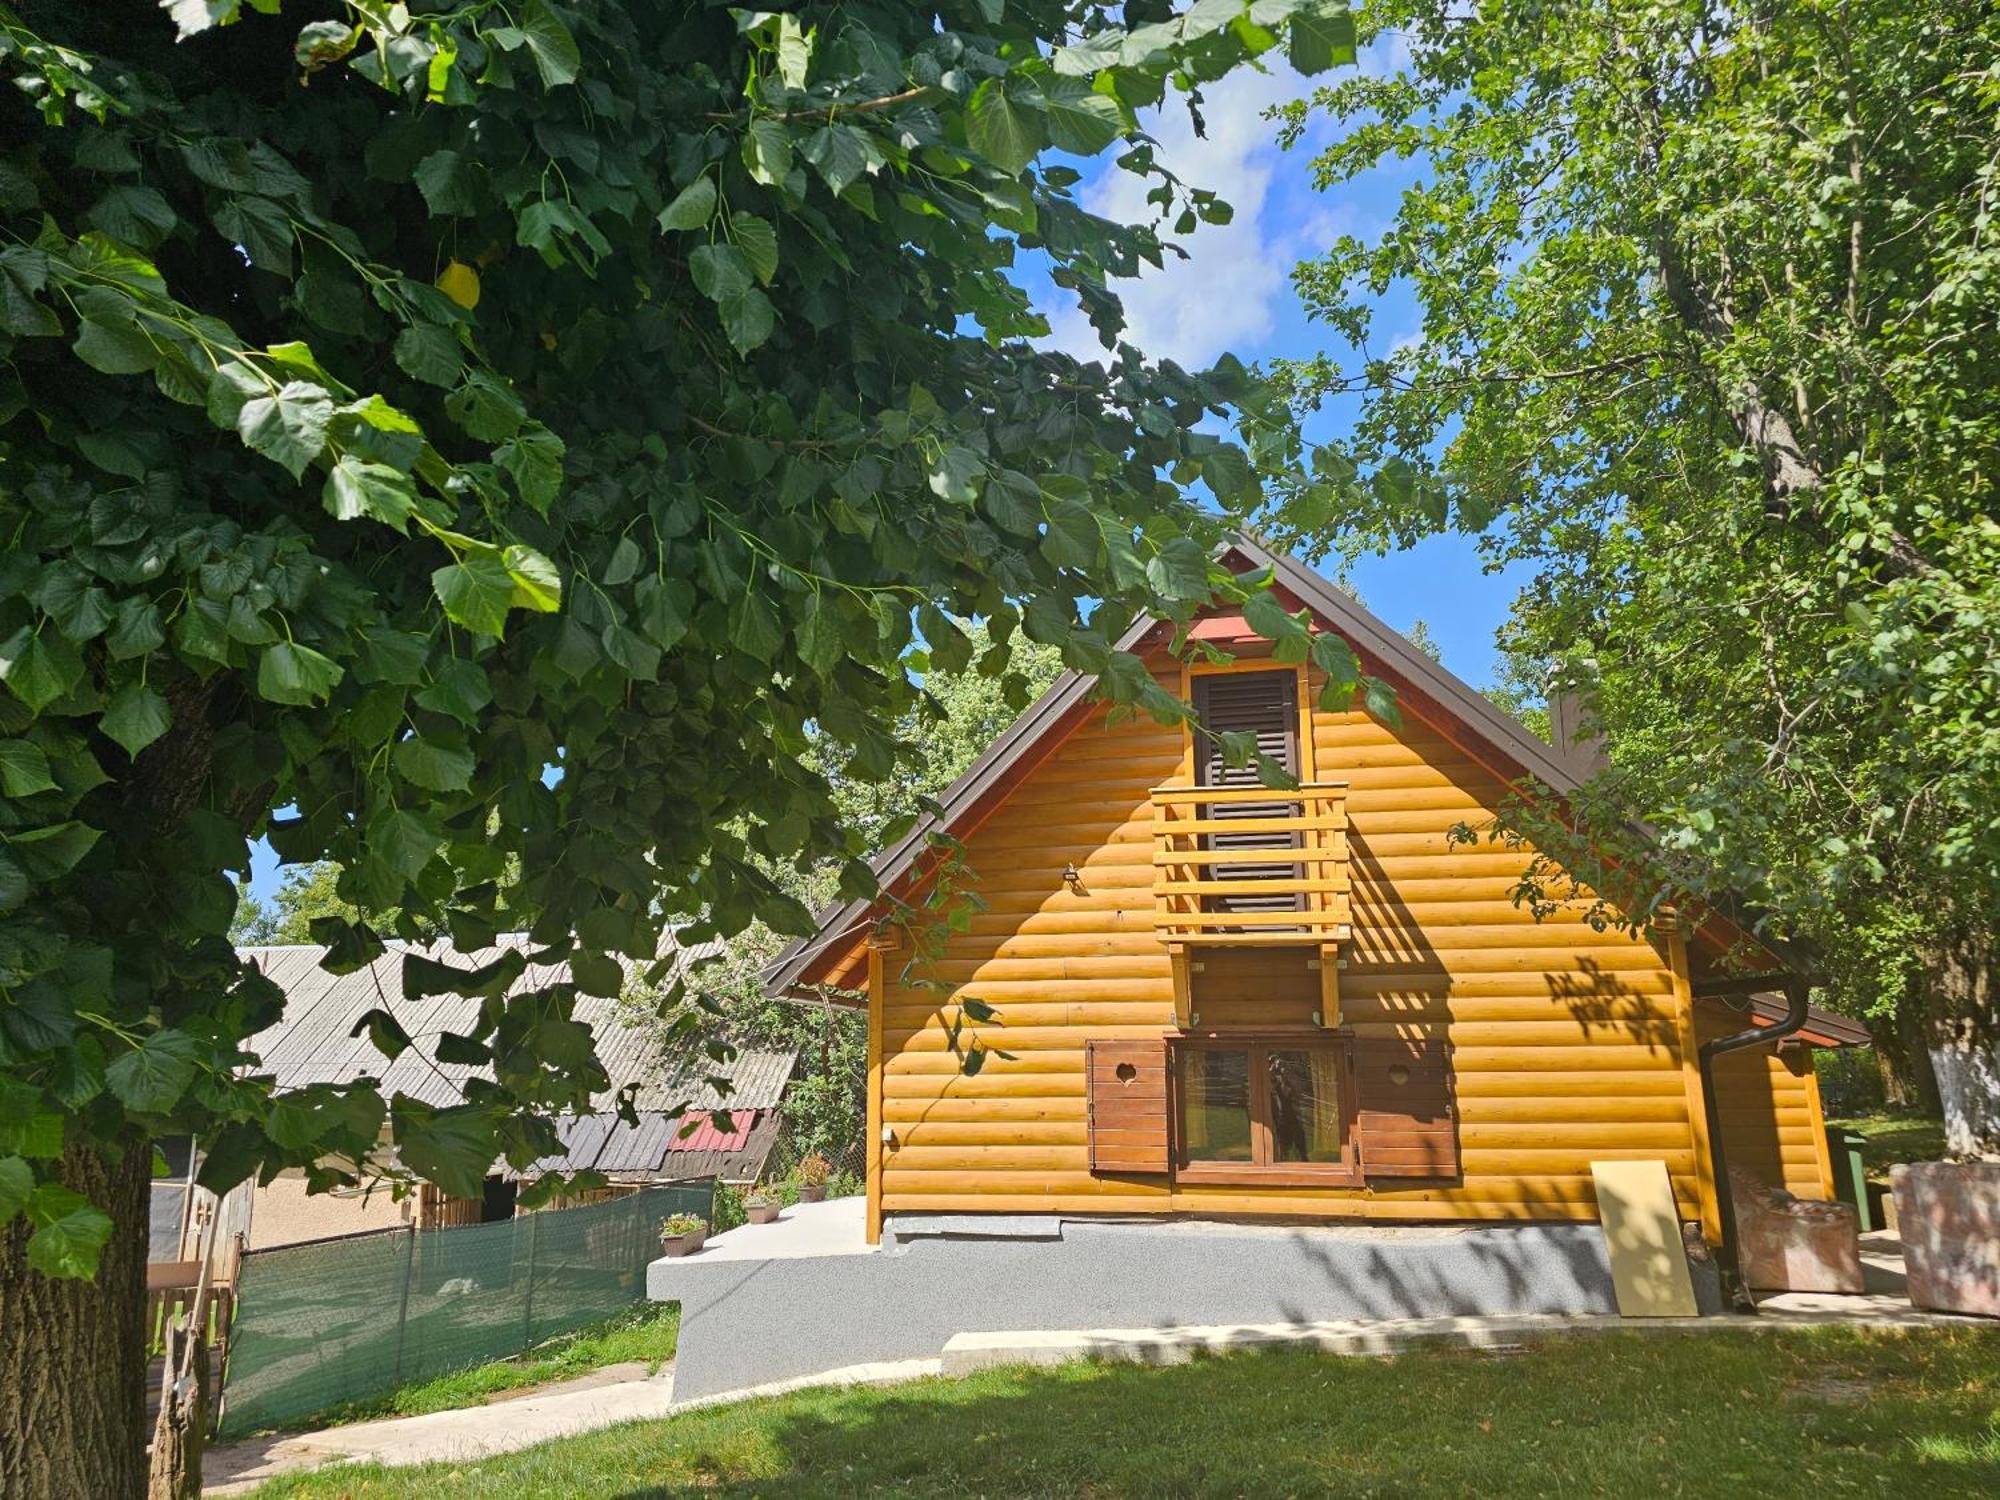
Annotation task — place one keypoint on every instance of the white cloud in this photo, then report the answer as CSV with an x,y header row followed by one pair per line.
x,y
1225,295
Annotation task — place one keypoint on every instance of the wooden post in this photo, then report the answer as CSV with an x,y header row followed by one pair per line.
x,y
1689,1038
878,945
528,1303
403,1307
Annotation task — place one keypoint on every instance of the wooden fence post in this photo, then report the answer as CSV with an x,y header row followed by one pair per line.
x,y
403,1307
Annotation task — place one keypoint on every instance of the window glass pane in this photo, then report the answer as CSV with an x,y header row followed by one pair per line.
x,y
1215,1104
1305,1105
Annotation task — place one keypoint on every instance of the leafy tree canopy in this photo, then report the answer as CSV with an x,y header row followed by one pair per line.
x,y
481,445
1708,299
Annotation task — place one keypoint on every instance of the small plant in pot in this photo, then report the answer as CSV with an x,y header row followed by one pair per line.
x,y
813,1172
762,1207
682,1234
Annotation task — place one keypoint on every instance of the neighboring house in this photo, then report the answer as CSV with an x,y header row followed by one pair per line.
x,y
1210,998
722,1134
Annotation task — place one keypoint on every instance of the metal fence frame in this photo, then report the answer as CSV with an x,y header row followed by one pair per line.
x,y
330,1321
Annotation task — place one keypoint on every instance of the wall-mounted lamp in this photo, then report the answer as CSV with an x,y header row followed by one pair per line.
x,y
1073,880
888,1135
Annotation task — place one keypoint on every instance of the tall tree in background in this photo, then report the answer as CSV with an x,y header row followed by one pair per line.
x,y
401,408
1708,298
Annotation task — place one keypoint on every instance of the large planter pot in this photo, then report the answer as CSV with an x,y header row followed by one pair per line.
x,y
1948,1214
684,1244
812,1193
764,1213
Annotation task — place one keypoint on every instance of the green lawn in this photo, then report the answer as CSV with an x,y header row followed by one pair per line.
x,y
646,1331
1894,1138
1814,1412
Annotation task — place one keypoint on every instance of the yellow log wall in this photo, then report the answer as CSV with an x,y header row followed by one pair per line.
x,y
1769,1103
1566,1041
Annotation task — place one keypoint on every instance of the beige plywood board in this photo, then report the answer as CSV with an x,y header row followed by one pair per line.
x,y
1642,1230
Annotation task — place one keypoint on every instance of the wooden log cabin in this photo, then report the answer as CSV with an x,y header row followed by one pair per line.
x,y
1197,996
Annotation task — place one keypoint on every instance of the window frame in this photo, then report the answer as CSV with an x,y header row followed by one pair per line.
x,y
1262,1170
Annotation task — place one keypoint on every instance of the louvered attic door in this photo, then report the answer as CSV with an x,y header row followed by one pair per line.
x,y
1264,704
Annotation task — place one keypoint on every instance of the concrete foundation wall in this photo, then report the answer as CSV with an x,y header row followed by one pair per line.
x,y
747,1322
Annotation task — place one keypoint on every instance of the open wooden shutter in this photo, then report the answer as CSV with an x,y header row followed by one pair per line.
x,y
1127,1083
1403,1121
1264,704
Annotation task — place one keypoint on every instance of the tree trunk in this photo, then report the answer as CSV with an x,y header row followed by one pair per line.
x,y
1965,1047
72,1353
1902,1048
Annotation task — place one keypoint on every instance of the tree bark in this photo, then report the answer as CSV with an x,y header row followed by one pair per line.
x,y
72,1353
1965,1048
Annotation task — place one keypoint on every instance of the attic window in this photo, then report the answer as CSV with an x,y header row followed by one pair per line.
x,y
1263,705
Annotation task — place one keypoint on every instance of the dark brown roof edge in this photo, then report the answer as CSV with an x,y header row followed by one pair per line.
x,y
1823,1028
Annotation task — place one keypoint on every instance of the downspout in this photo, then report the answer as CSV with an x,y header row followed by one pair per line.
x,y
1734,1293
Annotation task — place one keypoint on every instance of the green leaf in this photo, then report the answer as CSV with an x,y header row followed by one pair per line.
x,y
999,130
289,427
53,849
767,152
1226,471
839,153
720,271
429,352
39,669
757,629
356,489
454,1148
150,1078
821,642
135,717
759,243
115,349
1380,700
1335,657
533,458
1264,614
17,1181
795,51
295,674
1072,539
137,216
69,1232
957,474
692,207
1179,570
1322,36
404,841
536,583
486,408
24,769
449,183
597,974
385,1032
747,318
1081,120
550,43
262,228
437,768
135,629
1014,501
476,592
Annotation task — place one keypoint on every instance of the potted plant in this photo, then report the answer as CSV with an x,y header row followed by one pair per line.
x,y
762,1207
813,1171
682,1234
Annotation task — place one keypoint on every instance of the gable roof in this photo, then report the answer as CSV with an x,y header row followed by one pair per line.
x,y
1441,699
313,1040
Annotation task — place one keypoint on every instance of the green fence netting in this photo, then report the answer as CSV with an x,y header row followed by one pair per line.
x,y
337,1320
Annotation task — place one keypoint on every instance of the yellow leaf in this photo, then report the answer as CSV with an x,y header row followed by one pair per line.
x,y
460,282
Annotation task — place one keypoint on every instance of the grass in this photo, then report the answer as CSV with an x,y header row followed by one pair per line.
x,y
645,1332
1818,1413
1894,1138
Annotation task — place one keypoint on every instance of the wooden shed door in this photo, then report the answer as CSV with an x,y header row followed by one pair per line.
x,y
1264,704
1403,1121
1127,1085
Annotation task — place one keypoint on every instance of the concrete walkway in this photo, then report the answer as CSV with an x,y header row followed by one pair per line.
x,y
616,1393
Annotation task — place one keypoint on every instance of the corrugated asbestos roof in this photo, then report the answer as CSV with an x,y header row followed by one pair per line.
x,y
313,1041
650,1152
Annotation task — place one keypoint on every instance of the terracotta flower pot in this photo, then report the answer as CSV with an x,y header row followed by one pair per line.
x,y
684,1244
812,1192
763,1213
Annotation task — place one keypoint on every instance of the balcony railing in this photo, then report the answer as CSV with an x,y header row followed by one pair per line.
x,y
1251,865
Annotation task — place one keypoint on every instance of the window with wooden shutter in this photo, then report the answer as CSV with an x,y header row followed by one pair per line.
x,y
1404,1122
1127,1085
1264,704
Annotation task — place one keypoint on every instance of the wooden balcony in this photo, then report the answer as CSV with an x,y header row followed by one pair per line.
x,y
1251,865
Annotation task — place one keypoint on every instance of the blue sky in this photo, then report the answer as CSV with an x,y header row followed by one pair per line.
x,y
1233,293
